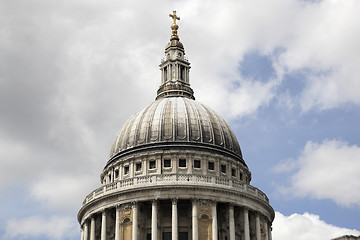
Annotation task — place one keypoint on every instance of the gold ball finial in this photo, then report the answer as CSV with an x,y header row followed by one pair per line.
x,y
174,26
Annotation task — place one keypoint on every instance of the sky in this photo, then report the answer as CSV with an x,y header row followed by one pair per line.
x,y
283,73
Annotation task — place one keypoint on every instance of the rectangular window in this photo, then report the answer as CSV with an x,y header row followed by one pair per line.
x,y
182,72
197,164
165,74
182,162
241,176
223,168
152,164
116,173
126,169
233,172
167,163
138,166
211,166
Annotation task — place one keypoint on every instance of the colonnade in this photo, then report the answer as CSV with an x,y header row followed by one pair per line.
x,y
88,226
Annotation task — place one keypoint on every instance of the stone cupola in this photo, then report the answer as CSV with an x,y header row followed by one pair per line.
x,y
175,68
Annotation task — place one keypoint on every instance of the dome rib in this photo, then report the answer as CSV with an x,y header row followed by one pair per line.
x,y
196,122
175,120
208,120
217,130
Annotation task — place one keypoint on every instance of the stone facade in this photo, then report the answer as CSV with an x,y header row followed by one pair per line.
x,y
347,237
176,172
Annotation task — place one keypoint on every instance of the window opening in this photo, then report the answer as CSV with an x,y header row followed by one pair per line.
x,y
233,172
197,164
211,165
126,169
182,162
152,164
167,163
138,166
223,168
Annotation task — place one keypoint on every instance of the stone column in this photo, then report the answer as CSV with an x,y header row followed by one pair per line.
x,y
162,76
86,231
174,220
258,230
135,221
187,75
195,234
170,72
231,222
266,230
82,233
246,224
103,225
214,222
92,228
154,231
269,235
117,223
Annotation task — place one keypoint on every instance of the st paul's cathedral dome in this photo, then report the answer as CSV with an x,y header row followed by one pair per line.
x,y
176,171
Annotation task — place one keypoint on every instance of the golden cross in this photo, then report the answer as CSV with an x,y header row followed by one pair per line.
x,y
173,16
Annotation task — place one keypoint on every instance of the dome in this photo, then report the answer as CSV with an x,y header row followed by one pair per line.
x,y
176,120
176,172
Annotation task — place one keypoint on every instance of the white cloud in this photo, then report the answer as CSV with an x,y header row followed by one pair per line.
x,y
54,227
306,226
316,38
61,192
287,165
329,170
322,41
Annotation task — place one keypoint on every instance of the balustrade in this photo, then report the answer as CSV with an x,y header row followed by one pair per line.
x,y
165,179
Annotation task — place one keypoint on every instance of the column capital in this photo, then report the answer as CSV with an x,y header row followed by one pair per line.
x,y
134,203
174,200
246,209
195,200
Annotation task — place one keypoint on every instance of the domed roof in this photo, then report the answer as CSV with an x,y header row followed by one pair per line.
x,y
177,120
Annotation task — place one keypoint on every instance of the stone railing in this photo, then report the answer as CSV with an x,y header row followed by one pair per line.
x,y
175,179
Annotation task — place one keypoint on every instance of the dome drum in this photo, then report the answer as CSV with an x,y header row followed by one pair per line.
x,y
175,161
